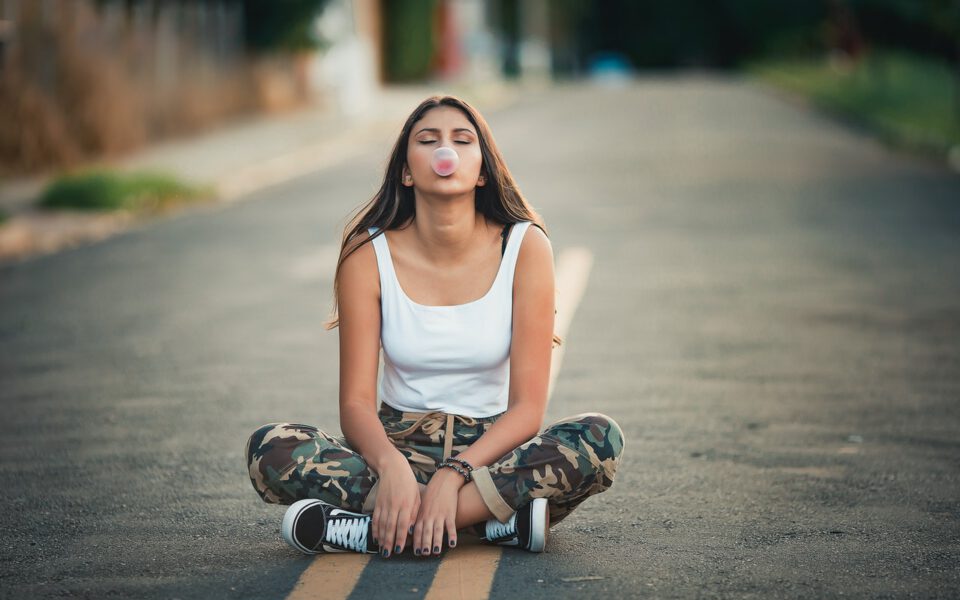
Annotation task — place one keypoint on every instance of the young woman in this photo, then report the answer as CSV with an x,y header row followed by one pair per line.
x,y
443,269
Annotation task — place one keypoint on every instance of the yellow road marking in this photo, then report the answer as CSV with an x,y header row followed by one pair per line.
x,y
573,269
330,577
467,572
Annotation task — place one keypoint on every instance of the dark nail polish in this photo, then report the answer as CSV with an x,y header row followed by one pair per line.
x,y
397,549
436,549
384,552
453,543
410,531
416,551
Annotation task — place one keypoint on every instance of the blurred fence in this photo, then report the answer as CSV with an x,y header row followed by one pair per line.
x,y
91,78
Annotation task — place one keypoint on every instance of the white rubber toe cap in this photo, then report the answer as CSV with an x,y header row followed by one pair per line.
x,y
290,520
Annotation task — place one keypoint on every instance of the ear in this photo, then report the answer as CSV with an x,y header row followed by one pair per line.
x,y
405,177
482,180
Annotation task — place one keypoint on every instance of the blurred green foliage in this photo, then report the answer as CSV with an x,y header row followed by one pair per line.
x,y
281,25
101,189
905,97
725,33
667,34
409,39
268,25
923,26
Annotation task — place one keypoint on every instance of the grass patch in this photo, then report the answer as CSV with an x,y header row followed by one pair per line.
x,y
103,190
909,100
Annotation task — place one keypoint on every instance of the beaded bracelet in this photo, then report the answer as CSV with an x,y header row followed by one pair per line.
x,y
465,464
457,468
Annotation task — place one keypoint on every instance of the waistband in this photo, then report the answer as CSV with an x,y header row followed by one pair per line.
x,y
430,422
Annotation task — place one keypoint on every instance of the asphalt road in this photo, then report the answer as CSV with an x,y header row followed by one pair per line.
x,y
773,317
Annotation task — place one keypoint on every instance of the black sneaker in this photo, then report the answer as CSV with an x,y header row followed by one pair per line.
x,y
315,527
527,528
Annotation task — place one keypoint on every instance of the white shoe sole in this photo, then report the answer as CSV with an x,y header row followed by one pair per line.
x,y
539,525
289,523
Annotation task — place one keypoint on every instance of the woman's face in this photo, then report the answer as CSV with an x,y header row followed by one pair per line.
x,y
443,126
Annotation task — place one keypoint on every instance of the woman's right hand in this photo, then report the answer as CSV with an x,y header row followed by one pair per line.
x,y
397,505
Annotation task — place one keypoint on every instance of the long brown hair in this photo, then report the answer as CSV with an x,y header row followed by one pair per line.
x,y
500,200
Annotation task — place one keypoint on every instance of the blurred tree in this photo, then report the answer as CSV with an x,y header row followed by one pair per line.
x,y
281,25
508,22
725,32
929,27
715,33
565,15
411,38
268,25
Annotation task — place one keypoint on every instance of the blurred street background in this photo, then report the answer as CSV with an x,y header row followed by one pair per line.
x,y
768,191
116,110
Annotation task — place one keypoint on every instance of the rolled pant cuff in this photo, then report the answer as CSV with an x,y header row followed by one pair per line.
x,y
491,497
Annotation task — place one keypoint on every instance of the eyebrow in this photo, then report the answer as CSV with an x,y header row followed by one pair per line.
x,y
435,130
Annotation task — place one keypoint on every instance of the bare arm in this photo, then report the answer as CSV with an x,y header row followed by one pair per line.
x,y
359,311
530,353
398,496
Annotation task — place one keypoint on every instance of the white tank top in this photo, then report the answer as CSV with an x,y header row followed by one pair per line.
x,y
453,358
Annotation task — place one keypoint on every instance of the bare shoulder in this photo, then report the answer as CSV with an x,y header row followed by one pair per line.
x,y
358,273
534,271
536,251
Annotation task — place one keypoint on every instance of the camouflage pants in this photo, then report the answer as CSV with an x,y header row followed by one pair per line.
x,y
569,461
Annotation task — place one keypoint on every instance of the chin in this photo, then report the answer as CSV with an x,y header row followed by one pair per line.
x,y
448,188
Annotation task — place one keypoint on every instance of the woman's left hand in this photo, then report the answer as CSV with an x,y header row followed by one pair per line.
x,y
438,512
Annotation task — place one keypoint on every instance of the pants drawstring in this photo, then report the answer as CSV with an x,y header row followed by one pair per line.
x,y
433,421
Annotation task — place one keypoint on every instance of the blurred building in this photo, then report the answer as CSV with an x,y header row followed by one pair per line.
x,y
80,79
378,42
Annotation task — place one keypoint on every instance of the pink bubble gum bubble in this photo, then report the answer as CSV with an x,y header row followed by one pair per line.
x,y
445,161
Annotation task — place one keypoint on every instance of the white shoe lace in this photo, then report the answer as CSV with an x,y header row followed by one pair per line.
x,y
348,533
497,530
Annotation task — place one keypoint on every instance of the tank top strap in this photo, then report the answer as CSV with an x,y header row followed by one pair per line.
x,y
389,284
388,277
514,240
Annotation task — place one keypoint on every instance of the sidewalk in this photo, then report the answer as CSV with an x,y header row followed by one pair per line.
x,y
236,159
